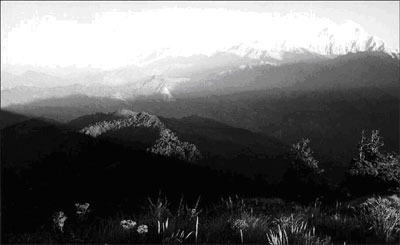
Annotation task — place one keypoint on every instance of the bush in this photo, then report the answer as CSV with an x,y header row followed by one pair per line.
x,y
374,171
383,217
303,179
304,160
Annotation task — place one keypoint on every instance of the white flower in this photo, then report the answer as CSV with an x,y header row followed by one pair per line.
x,y
142,229
240,224
59,219
128,224
82,209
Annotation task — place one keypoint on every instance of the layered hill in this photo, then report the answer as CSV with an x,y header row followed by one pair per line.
x,y
222,146
47,166
166,142
361,69
329,101
354,70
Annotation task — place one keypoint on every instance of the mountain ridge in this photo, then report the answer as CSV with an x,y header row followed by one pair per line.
x,y
222,146
167,144
237,78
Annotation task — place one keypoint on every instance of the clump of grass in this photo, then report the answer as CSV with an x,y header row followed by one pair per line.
x,y
159,209
173,226
234,205
293,229
277,236
233,221
342,222
178,237
383,217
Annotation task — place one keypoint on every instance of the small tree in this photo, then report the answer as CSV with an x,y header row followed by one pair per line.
x,y
303,159
374,171
303,178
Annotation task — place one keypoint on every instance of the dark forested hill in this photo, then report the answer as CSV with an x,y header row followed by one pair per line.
x,y
332,119
219,146
330,102
46,167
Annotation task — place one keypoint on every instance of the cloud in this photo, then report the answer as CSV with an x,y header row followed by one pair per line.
x,y
113,39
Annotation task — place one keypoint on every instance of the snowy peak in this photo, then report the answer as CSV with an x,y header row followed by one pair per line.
x,y
298,40
395,54
166,93
348,38
328,41
157,84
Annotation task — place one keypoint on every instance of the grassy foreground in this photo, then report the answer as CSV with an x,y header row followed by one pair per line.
x,y
232,220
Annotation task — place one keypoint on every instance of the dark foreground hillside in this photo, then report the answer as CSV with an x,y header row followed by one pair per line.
x,y
208,142
231,220
46,166
62,186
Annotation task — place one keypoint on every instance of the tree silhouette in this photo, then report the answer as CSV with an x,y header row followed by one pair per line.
x,y
374,171
303,178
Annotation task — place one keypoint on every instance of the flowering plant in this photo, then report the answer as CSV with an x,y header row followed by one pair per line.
x,y
59,219
142,229
240,224
82,210
128,224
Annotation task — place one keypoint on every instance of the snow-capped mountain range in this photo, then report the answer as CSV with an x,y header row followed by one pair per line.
x,y
272,45
330,41
166,71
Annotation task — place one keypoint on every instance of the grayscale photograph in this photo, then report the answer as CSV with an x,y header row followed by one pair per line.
x,y
200,122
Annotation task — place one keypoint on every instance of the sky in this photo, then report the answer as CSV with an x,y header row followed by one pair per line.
x,y
113,34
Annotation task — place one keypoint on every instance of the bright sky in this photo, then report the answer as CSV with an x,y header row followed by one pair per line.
x,y
113,34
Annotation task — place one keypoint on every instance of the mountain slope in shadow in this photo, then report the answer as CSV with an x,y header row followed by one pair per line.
x,y
48,167
141,127
8,118
221,146
363,69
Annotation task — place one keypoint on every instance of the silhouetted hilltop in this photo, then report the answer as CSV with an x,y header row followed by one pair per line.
x,y
166,144
221,146
46,167
9,118
29,142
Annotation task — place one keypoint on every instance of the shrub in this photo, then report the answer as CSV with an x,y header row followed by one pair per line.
x,y
303,178
251,227
374,171
383,217
159,210
342,223
304,160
